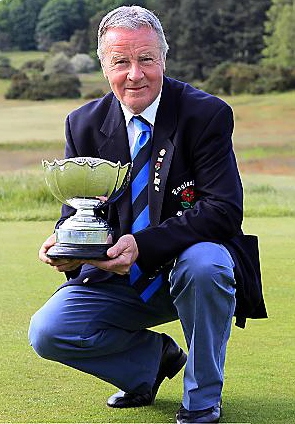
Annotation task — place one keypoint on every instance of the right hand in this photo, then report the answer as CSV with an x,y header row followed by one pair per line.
x,y
61,265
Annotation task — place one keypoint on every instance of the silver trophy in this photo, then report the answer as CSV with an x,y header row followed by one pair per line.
x,y
88,185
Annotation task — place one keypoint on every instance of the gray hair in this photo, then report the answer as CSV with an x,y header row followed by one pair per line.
x,y
131,17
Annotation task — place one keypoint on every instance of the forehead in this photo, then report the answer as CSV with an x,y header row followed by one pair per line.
x,y
131,41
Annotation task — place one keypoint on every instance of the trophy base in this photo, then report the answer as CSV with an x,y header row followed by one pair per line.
x,y
78,251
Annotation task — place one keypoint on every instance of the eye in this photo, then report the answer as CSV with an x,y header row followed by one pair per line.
x,y
120,62
146,60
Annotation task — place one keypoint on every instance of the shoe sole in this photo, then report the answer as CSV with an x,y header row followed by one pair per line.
x,y
178,365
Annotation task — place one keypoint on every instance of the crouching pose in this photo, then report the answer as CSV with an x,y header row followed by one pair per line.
x,y
178,252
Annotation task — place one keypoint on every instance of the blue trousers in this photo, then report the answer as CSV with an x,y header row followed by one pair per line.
x,y
103,329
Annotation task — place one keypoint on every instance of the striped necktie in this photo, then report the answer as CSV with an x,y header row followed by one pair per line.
x,y
140,209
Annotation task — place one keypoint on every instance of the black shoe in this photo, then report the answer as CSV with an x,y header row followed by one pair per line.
x,y
209,415
173,359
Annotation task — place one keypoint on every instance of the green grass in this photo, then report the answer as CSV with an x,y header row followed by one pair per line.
x,y
259,378
29,121
266,119
39,121
265,152
25,196
269,195
18,58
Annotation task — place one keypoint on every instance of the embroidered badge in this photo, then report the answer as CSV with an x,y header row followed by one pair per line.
x,y
158,164
188,198
186,195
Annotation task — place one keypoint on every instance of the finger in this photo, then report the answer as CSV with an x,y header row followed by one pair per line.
x,y
68,265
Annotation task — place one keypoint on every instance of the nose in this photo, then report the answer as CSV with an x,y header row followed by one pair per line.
x,y
135,72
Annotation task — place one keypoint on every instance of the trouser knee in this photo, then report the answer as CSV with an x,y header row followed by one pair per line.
x,y
200,267
42,338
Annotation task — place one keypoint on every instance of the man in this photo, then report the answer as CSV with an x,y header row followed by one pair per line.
x,y
179,250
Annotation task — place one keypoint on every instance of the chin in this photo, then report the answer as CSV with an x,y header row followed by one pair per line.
x,y
134,109
136,106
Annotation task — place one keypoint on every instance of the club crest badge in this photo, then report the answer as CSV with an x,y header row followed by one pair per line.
x,y
186,196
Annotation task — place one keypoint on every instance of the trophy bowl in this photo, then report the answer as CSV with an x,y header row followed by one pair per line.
x,y
88,185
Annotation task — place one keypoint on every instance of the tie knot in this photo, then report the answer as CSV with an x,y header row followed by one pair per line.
x,y
141,123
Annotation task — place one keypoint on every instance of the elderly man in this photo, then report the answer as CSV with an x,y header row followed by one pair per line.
x,y
178,252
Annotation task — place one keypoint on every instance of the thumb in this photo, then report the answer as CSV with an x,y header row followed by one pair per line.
x,y
114,251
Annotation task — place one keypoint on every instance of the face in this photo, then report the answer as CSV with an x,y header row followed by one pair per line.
x,y
134,66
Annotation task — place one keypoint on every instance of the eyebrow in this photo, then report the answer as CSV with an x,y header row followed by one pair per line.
x,y
117,56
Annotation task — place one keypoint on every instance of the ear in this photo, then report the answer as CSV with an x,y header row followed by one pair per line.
x,y
164,64
103,70
101,64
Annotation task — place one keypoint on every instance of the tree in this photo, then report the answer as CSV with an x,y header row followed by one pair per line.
x,y
58,20
239,28
280,34
167,12
18,20
204,34
5,39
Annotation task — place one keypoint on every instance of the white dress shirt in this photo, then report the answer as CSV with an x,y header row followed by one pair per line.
x,y
149,114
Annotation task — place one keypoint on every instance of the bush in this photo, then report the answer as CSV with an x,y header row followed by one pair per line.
x,y
231,78
42,87
79,43
219,81
83,63
62,47
58,64
95,94
35,65
63,85
235,78
19,84
272,78
6,70
241,77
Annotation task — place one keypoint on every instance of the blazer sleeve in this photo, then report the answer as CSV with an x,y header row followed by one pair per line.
x,y
217,215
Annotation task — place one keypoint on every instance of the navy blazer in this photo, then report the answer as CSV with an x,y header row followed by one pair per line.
x,y
195,192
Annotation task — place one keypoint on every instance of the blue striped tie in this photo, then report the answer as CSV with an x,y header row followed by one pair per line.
x,y
140,210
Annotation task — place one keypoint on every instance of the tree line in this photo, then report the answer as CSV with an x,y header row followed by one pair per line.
x,y
202,35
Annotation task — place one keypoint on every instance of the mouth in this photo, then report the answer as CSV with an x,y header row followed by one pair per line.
x,y
136,89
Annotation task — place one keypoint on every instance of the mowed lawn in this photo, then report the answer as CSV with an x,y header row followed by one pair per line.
x,y
259,383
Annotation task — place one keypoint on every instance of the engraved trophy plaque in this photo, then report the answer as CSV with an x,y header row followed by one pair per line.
x,y
88,185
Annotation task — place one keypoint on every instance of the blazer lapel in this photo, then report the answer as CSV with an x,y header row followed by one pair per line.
x,y
163,148
115,148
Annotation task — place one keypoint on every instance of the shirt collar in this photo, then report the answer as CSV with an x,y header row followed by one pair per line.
x,y
149,114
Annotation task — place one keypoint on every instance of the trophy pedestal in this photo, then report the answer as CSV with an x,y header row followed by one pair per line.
x,y
82,237
78,251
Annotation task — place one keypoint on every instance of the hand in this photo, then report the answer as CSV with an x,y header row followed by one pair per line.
x,y
122,255
61,265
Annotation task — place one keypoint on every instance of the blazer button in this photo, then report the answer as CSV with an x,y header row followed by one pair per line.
x,y
86,280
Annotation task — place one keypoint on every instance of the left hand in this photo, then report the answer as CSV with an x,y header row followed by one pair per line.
x,y
122,255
